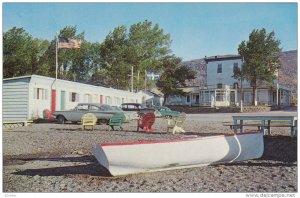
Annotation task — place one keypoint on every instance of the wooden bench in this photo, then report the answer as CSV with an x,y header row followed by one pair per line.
x,y
176,123
145,122
88,119
116,120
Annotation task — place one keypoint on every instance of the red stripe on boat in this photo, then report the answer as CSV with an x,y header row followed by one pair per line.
x,y
169,141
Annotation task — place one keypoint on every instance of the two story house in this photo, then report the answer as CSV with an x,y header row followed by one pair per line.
x,y
221,89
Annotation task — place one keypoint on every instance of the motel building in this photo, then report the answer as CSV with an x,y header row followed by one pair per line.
x,y
29,97
222,90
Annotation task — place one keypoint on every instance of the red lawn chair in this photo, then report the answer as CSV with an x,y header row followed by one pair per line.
x,y
145,122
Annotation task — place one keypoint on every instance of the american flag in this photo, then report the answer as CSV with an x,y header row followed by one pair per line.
x,y
64,42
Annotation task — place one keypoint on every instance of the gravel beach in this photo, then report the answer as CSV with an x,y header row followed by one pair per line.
x,y
49,157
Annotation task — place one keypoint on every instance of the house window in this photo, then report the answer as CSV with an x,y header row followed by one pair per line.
x,y
74,97
219,86
188,99
235,85
219,68
220,96
197,99
40,94
235,67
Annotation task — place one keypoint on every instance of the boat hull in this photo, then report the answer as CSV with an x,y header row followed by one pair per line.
x,y
148,156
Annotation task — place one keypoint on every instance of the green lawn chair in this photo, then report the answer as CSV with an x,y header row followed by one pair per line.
x,y
116,120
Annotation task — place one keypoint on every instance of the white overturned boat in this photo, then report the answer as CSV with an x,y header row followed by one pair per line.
x,y
146,156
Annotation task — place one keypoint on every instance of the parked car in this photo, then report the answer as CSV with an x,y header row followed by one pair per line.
x,y
166,112
102,112
138,108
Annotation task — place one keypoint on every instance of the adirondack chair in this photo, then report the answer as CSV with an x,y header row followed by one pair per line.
x,y
88,119
145,122
176,123
116,120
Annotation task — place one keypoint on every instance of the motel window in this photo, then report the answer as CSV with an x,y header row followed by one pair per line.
x,y
74,97
88,98
40,94
117,101
107,100
219,70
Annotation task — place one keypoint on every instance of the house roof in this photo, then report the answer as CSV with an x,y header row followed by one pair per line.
x,y
222,57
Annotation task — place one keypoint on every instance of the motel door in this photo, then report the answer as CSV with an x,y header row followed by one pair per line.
x,y
101,99
62,100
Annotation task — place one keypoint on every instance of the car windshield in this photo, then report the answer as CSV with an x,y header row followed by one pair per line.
x,y
166,108
106,107
95,108
143,106
116,108
82,107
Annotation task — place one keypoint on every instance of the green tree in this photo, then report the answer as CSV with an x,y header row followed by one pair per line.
x,y
114,59
73,64
21,53
261,58
173,77
143,47
39,48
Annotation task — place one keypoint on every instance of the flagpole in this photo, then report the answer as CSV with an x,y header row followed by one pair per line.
x,y
56,59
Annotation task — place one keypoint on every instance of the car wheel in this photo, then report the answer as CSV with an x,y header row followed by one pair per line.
x,y
61,119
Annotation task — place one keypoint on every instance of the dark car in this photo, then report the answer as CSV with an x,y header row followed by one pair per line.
x,y
137,107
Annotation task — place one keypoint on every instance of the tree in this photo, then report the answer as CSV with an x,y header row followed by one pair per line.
x,y
143,47
173,77
114,59
21,53
73,64
261,58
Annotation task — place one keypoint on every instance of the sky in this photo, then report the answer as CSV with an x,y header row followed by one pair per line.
x,y
196,29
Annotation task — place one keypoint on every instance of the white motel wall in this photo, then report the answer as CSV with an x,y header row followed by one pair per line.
x,y
27,97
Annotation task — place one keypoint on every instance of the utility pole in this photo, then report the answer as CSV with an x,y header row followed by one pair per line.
x,y
131,78
242,94
56,54
277,94
138,81
242,76
145,81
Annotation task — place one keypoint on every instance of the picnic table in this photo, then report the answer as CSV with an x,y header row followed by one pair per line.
x,y
266,122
